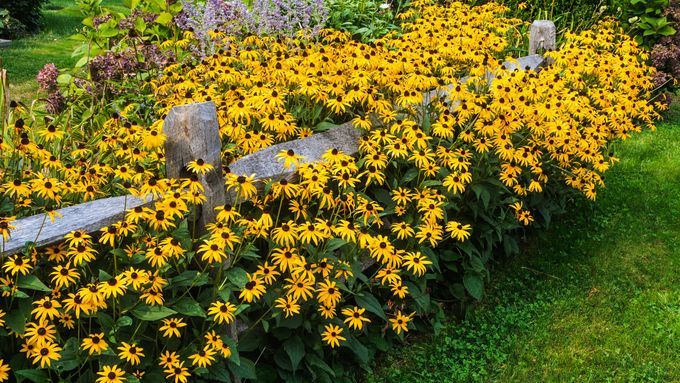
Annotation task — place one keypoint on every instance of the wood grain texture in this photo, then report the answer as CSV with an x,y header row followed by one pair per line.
x,y
193,132
264,164
90,216
542,35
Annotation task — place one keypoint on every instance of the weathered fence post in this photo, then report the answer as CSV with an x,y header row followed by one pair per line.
x,y
542,35
193,133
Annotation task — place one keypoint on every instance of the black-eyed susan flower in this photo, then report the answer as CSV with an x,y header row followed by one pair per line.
x,y
290,158
94,343
45,354
203,358
212,252
130,353
199,166
171,327
459,231
299,287
153,297
254,288
46,308
75,304
114,287
354,317
40,333
17,265
328,293
4,371
327,312
332,335
177,373
168,359
288,305
285,235
399,290
111,374
5,227
222,312
285,258
267,272
416,263
64,276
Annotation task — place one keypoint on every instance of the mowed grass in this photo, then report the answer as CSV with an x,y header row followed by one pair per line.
x,y
595,299
26,56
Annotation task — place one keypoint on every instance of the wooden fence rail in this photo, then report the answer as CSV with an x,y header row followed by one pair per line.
x,y
193,132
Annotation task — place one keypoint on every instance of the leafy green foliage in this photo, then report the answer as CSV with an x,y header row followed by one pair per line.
x,y
646,20
365,20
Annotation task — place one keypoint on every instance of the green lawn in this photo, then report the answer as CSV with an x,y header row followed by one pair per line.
x,y
594,299
26,56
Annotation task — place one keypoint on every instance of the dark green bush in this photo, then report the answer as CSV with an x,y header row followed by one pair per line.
x,y
9,26
27,12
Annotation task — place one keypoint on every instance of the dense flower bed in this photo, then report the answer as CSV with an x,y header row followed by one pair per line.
x,y
434,190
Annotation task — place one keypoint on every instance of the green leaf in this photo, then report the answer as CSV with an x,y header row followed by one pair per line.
x,y
370,303
295,350
124,321
32,282
314,360
64,78
164,18
188,306
106,321
152,313
358,348
219,373
410,175
104,276
383,196
189,278
69,356
474,284
37,376
324,126
241,308
477,264
667,30
334,244
81,63
108,32
245,370
422,298
482,194
238,277
17,317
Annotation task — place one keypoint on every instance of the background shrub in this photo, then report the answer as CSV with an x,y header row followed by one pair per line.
x,y
365,20
9,26
665,55
26,12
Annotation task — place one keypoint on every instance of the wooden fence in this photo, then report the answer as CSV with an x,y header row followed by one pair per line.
x,y
193,132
